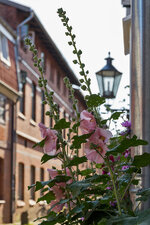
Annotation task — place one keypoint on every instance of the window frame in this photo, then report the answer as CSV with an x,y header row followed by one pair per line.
x,y
3,59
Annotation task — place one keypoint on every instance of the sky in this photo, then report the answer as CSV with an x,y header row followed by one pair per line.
x,y
98,27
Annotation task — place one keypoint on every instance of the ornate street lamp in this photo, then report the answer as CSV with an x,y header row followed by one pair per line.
x,y
108,79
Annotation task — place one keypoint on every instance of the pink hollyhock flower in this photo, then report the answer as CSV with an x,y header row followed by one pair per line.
x,y
51,139
58,195
92,154
99,138
53,173
88,122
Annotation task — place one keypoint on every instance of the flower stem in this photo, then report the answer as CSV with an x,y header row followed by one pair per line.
x,y
114,186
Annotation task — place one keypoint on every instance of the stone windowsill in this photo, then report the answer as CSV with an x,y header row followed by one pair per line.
x,y
20,203
33,123
32,202
22,116
2,201
41,203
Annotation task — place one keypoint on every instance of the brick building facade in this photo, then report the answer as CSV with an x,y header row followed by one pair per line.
x,y
21,166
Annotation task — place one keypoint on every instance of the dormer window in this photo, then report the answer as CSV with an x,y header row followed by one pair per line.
x,y
4,53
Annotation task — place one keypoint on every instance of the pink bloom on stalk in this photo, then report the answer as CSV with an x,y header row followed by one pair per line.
x,y
53,173
88,122
92,154
59,196
99,138
50,141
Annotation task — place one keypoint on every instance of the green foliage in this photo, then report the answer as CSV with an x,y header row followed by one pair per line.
x,y
46,158
144,194
78,140
47,197
141,160
95,100
126,144
62,124
76,161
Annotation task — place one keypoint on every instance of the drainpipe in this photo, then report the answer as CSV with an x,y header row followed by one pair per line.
x,y
140,79
14,118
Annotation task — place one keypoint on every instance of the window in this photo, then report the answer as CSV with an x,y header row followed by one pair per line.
x,y
32,174
42,108
1,179
51,122
4,53
33,101
21,181
23,75
64,90
43,64
41,178
52,72
64,130
2,107
58,80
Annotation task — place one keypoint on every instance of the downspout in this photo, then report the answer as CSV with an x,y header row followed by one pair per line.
x,y
14,118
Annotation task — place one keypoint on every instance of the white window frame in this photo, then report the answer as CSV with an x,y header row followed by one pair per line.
x,y
6,61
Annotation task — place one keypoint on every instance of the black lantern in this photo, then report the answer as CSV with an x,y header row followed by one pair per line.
x,y
108,79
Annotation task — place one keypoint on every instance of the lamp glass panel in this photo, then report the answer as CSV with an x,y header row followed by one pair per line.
x,y
100,84
116,84
108,84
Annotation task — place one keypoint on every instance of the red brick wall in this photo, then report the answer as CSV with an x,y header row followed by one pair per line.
x,y
8,73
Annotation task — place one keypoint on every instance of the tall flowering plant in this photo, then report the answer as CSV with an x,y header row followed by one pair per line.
x,y
100,193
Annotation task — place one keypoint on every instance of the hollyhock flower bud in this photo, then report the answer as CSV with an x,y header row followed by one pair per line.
x,y
50,141
88,122
111,158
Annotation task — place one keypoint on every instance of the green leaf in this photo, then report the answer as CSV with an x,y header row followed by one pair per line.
x,y
46,157
145,194
40,144
63,178
141,160
39,185
78,140
95,100
103,221
62,124
116,115
125,144
86,172
76,161
48,197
